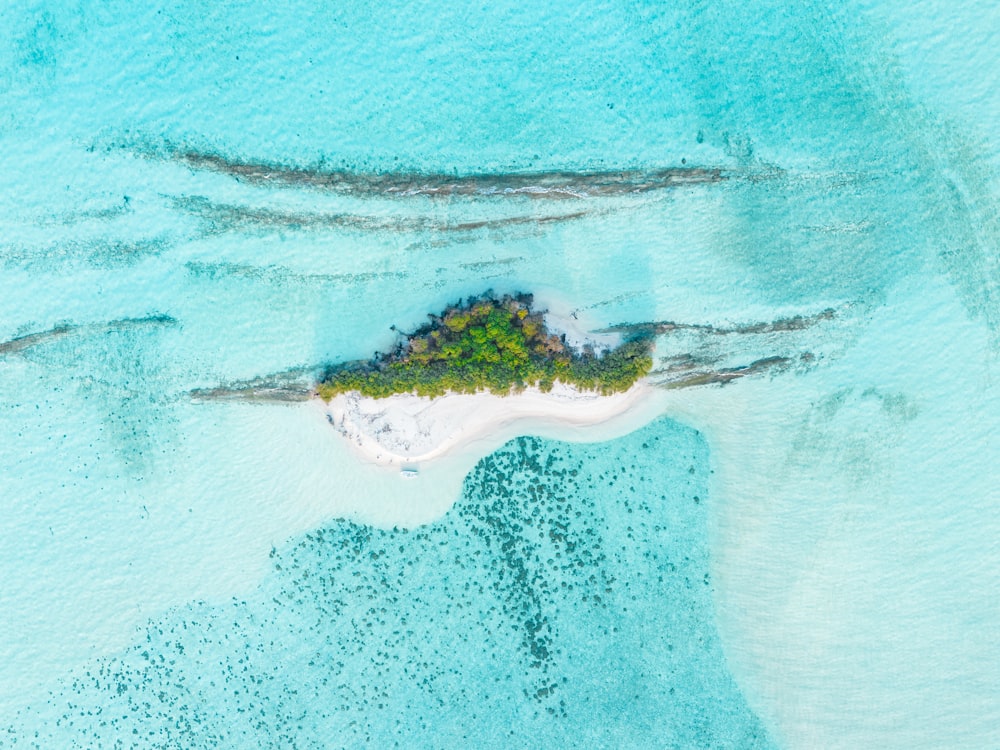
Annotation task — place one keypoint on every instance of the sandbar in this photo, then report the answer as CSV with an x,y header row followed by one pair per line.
x,y
405,430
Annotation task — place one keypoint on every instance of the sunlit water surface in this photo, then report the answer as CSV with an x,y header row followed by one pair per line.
x,y
816,566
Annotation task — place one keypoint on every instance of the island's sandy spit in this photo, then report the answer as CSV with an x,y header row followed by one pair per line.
x,y
406,430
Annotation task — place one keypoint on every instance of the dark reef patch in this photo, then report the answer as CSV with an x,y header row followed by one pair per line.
x,y
565,601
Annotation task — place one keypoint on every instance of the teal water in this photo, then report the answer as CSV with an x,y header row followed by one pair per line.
x,y
563,601
850,502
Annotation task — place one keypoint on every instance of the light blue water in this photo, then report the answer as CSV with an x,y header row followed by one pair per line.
x,y
852,515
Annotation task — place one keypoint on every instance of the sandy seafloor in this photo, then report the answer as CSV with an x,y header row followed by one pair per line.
x,y
803,558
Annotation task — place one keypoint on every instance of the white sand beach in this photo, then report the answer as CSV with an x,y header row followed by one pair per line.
x,y
405,430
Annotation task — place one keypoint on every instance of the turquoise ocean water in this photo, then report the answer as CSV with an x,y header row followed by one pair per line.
x,y
176,573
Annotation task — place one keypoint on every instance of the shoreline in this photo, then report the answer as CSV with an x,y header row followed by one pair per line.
x,y
404,430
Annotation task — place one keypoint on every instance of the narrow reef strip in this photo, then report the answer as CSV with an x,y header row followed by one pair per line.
x,y
659,328
691,376
542,184
224,217
36,338
289,386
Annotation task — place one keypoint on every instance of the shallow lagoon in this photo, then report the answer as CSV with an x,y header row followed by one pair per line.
x,y
564,600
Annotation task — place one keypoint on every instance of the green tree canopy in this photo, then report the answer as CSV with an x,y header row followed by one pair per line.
x,y
488,344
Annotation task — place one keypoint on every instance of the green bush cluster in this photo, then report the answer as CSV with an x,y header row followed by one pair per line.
x,y
488,344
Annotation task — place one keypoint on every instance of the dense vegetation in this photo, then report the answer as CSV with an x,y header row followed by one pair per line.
x,y
488,343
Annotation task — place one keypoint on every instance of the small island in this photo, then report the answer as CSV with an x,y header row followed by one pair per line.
x,y
489,344
481,372
490,368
